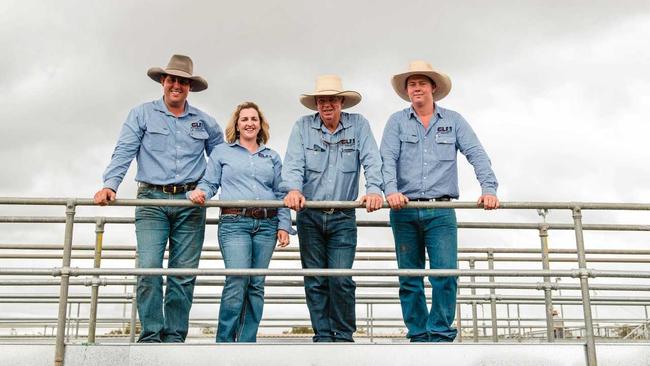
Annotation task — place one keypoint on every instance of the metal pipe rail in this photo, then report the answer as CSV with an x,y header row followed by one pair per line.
x,y
583,273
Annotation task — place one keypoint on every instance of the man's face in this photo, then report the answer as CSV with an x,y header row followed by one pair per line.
x,y
329,107
420,89
175,89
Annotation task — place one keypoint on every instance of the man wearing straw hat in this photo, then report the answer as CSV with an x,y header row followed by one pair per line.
x,y
418,149
322,163
169,139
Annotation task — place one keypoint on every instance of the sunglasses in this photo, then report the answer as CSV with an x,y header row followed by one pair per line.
x,y
176,79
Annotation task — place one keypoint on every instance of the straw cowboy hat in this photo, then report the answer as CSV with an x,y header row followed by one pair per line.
x,y
182,66
443,83
330,85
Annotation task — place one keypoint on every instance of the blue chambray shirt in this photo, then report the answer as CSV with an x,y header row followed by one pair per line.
x,y
421,163
325,166
168,149
243,175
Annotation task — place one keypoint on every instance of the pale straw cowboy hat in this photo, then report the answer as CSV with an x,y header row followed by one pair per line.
x,y
443,83
327,85
182,66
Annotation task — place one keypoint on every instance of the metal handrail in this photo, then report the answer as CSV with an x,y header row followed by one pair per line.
x,y
582,272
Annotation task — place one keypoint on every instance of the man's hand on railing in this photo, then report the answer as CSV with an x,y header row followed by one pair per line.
x,y
489,201
283,238
294,200
397,200
197,196
373,202
104,196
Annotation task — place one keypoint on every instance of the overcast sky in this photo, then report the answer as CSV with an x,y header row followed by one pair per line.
x,y
557,91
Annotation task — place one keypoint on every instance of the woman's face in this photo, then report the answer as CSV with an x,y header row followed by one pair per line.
x,y
248,124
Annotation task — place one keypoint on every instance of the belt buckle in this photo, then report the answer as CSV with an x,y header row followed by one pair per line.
x,y
165,189
329,211
258,213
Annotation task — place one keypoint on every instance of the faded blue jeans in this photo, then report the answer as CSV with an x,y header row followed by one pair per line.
x,y
245,242
184,229
433,230
329,241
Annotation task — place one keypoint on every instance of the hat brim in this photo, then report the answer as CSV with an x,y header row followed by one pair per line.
x,y
351,98
197,83
443,84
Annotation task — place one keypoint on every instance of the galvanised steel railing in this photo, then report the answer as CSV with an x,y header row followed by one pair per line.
x,y
582,272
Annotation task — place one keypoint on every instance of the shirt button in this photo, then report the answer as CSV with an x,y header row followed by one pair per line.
x,y
424,177
425,163
425,151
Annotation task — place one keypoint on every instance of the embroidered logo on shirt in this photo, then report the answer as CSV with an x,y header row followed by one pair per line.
x,y
446,129
347,141
262,155
197,124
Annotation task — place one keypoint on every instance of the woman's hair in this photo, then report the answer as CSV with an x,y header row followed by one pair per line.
x,y
231,129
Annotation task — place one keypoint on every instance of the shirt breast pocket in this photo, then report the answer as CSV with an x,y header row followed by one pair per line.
x,y
157,138
446,147
315,160
199,134
408,144
349,160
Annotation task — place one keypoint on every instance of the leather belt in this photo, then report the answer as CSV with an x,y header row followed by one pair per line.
x,y
170,188
254,212
439,199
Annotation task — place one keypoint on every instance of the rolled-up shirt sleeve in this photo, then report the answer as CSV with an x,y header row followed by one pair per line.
x,y
284,214
370,158
470,146
390,150
211,180
126,149
293,171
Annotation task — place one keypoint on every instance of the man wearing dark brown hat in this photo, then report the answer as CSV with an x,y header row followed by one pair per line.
x,y
324,157
169,139
419,149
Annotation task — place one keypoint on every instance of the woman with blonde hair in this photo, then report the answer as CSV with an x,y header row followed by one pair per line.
x,y
245,169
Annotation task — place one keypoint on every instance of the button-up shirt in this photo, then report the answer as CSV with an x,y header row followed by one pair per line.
x,y
168,149
421,163
325,166
243,175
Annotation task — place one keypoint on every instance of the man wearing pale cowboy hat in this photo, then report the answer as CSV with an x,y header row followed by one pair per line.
x,y
169,139
418,149
322,163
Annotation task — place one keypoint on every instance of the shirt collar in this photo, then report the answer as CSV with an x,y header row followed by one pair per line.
x,y
261,148
439,111
160,106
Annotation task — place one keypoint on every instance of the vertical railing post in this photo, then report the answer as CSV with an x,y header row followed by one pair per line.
x,y
472,265
519,330
548,302
493,298
584,287
65,283
134,306
645,326
459,320
99,239
508,315
372,323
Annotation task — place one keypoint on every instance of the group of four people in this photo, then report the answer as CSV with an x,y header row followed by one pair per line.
x,y
416,162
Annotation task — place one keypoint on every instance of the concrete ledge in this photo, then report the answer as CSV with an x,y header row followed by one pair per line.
x,y
485,354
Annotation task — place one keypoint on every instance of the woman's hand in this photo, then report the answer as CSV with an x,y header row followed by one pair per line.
x,y
283,238
197,196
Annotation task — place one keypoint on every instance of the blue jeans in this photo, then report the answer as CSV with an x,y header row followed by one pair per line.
x,y
245,242
184,229
435,230
329,241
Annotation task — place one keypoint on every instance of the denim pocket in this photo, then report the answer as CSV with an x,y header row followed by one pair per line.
x,y
229,218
